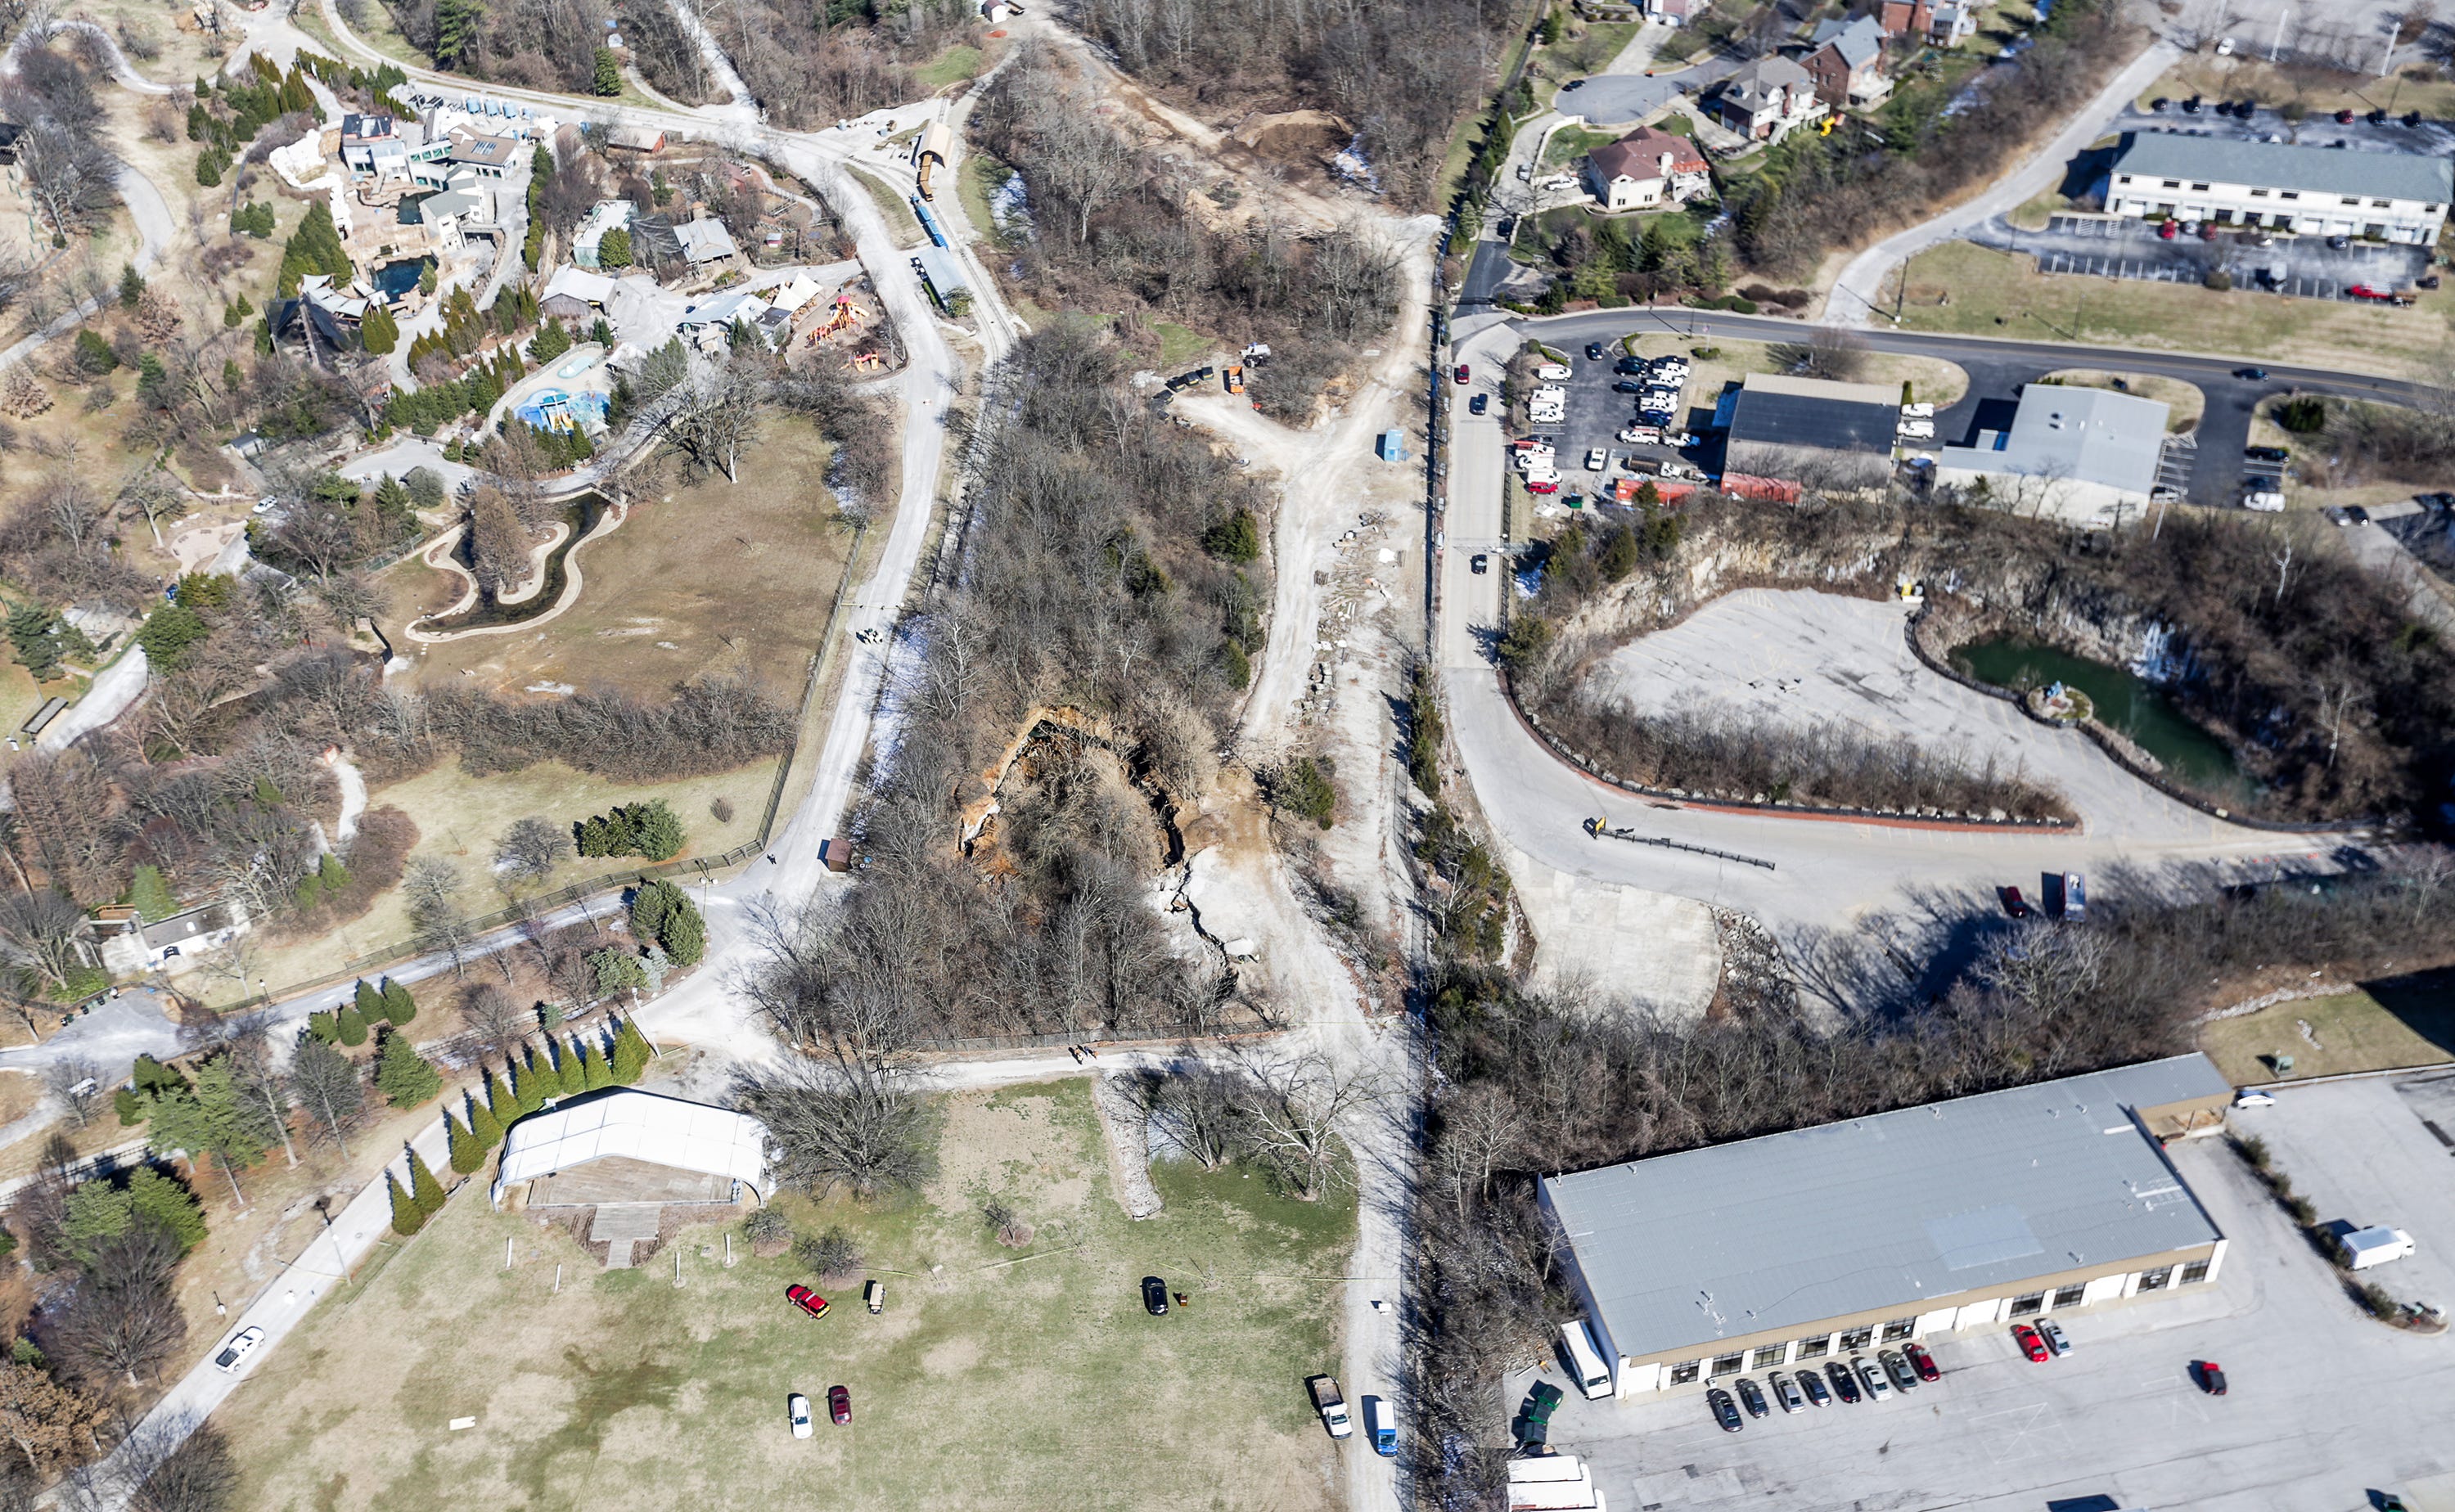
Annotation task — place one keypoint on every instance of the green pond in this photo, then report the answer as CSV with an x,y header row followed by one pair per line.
x,y
2124,699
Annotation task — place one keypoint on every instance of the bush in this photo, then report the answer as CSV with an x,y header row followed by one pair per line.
x,y
768,1232
2218,279
2306,415
831,1256
649,828
1236,538
1303,788
2379,1301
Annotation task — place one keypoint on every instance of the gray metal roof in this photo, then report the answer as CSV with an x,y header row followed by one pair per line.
x,y
2423,177
1882,1213
2086,435
1812,411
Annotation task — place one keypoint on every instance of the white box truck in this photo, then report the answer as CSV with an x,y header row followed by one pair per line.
x,y
1584,1361
2365,1247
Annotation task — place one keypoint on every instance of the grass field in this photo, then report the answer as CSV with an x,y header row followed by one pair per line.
x,y
1962,288
995,1377
961,60
980,176
2398,1021
2415,86
1570,143
1180,343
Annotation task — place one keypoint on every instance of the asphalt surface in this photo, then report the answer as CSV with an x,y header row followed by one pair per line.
x,y
2301,267
1827,877
1997,365
2325,1410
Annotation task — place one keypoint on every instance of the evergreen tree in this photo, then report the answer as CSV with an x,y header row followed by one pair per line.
x,y
631,1054
529,1089
407,1217
353,1026
167,1202
93,356
131,1108
332,874
398,1005
467,1154
378,333
423,1188
132,286
651,905
369,1002
657,831
594,1071
502,1104
601,332
482,1122
685,936
322,1025
614,249
402,1074
608,74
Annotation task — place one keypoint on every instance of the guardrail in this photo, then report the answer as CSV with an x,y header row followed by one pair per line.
x,y
1601,831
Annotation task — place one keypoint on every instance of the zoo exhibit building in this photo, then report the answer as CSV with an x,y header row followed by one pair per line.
x,y
1820,1243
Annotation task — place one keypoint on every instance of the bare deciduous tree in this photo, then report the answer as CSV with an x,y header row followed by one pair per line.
x,y
77,1082
123,1319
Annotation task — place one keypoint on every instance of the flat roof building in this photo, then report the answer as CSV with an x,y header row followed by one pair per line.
x,y
2075,454
1786,433
2313,190
1820,1243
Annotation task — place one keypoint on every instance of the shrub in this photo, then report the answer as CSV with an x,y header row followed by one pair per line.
x,y
2379,1301
2218,279
2304,1211
1303,788
830,1256
2253,1149
768,1232
1236,538
2306,415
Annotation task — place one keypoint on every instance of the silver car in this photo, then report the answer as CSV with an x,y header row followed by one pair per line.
x,y
1898,1368
1785,1391
1872,1377
2053,1333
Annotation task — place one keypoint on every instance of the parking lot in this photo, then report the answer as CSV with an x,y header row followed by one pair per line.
x,y
2125,246
2325,1405
1595,415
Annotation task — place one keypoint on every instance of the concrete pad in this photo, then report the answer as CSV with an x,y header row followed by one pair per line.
x,y
1627,947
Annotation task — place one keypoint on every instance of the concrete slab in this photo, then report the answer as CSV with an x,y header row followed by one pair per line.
x,y
1628,948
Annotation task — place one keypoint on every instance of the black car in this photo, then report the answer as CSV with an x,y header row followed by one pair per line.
x,y
2191,105
1845,1384
1628,386
1753,1396
2158,103
1628,365
1594,351
1725,1414
2265,453
1478,404
2211,1377
1480,563
2252,374
1812,1384
1154,1296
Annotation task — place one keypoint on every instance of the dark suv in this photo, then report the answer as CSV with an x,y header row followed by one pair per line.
x,y
1154,1296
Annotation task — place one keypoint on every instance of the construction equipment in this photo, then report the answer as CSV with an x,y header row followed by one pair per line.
x,y
1235,377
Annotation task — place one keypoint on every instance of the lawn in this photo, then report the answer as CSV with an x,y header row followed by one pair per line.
x,y
894,206
1570,143
961,60
2418,85
981,176
1180,343
1958,287
2394,1021
996,1378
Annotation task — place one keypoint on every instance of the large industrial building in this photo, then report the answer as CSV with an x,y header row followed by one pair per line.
x,y
1787,434
1824,1242
2073,454
2313,190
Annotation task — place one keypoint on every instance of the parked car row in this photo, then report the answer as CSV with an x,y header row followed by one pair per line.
x,y
1850,1382
2045,1341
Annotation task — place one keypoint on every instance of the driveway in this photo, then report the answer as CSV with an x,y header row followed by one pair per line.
x,y
2324,1408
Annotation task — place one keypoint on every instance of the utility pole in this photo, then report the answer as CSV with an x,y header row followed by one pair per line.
x,y
2276,42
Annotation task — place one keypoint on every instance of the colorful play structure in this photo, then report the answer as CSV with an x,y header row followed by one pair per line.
x,y
555,410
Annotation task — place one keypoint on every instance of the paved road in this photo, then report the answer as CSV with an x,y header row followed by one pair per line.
x,y
1827,876
1859,295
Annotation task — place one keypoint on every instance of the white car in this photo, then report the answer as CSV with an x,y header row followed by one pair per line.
x,y
1597,459
1917,431
1917,412
2254,1099
234,1353
799,1406
1553,372
2267,502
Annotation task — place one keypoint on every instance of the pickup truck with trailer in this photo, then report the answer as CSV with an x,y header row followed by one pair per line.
x,y
1331,1406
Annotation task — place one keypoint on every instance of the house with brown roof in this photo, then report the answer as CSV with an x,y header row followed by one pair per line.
x,y
1767,100
1647,168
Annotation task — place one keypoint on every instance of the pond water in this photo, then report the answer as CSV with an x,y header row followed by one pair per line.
x,y
2124,700
581,513
394,280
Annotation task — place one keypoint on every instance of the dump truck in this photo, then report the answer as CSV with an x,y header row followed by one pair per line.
x,y
1235,377
1331,1406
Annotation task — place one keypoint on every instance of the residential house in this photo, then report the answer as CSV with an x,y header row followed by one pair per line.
x,y
1955,22
1647,168
2312,191
1677,13
130,945
646,141
452,215
606,214
706,241
1847,63
488,156
1904,18
575,294
1767,100
374,146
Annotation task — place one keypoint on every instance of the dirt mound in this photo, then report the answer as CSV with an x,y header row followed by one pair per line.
x,y
1294,136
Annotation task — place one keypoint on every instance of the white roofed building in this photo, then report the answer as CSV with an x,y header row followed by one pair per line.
x,y
625,1146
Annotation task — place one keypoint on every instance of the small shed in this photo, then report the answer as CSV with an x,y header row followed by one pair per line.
x,y
1392,447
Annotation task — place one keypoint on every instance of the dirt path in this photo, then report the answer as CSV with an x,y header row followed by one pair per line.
x,y
572,584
